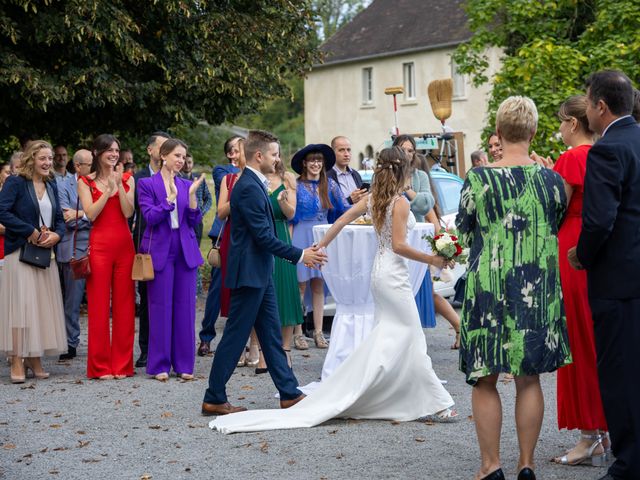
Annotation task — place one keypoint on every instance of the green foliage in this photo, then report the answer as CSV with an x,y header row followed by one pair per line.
x,y
70,69
333,14
550,47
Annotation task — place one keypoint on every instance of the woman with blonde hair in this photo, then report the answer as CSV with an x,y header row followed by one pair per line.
x,y
31,312
512,314
389,375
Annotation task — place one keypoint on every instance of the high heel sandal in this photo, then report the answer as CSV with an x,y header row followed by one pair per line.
x,y
596,460
252,363
242,362
260,370
318,337
40,375
300,342
18,378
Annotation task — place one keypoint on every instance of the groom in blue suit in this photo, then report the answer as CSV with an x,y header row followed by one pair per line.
x,y
250,277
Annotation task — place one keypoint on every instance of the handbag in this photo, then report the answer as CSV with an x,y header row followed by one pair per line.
x,y
142,270
213,257
80,267
35,255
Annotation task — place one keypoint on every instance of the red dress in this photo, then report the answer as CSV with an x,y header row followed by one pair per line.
x,y
579,403
225,243
110,289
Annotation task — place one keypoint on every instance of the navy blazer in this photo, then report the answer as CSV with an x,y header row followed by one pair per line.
x,y
609,244
19,212
68,196
152,198
219,172
253,236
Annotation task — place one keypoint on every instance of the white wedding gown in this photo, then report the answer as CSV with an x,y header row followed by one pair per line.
x,y
389,376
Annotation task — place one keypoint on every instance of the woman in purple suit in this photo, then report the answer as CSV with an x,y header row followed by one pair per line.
x,y
169,206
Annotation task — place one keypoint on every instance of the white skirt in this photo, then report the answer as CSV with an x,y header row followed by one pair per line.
x,y
31,310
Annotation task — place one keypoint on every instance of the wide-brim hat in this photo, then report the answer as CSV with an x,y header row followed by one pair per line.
x,y
325,150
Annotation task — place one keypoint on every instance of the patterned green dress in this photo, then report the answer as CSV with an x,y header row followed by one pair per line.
x,y
512,316
285,274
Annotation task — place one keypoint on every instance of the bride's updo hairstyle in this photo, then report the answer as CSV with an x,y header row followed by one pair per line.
x,y
393,169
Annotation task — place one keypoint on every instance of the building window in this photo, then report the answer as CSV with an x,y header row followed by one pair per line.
x,y
409,75
459,82
367,86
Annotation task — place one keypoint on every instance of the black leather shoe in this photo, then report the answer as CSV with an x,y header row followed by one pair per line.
x,y
526,474
495,475
70,355
142,361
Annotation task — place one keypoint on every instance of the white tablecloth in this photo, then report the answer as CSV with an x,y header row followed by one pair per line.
x,y
348,276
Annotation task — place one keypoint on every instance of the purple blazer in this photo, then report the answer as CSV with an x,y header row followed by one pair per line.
x,y
152,199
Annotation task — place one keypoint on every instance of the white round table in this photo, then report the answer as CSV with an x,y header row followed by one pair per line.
x,y
347,273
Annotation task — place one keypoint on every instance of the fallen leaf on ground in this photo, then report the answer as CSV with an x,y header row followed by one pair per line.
x,y
264,447
155,427
395,422
291,462
60,449
80,432
55,425
82,444
8,446
166,415
54,472
91,460
420,439
333,432
246,387
340,456
146,476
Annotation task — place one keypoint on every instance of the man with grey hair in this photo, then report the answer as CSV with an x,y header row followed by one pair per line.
x,y
73,215
479,158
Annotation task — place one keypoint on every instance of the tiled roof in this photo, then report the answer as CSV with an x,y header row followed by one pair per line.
x,y
390,27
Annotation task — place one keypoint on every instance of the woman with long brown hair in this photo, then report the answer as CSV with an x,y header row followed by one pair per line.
x,y
31,311
389,375
319,201
107,198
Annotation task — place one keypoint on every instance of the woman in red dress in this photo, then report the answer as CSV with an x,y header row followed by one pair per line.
x,y
107,199
579,403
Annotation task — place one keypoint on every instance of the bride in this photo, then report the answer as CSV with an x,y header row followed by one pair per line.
x,y
389,376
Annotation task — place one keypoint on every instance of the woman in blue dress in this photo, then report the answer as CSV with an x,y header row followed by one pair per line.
x,y
319,201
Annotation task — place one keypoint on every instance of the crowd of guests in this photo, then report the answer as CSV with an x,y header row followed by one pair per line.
x,y
529,306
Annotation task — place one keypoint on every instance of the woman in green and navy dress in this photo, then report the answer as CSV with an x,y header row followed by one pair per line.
x,y
513,318
282,193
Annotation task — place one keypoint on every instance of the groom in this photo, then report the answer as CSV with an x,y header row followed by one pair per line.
x,y
250,278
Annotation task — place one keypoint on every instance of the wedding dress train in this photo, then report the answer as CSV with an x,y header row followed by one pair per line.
x,y
389,376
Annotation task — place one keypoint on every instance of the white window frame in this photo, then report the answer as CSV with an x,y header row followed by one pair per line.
x,y
367,86
459,82
409,80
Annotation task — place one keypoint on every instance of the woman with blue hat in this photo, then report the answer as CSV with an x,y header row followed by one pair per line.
x,y
319,201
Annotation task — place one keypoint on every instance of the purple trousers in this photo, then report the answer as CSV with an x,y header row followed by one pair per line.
x,y
172,314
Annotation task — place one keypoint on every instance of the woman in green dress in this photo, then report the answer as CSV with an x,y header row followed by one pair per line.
x,y
282,192
512,316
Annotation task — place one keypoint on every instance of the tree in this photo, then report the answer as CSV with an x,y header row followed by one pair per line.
x,y
333,14
71,69
550,47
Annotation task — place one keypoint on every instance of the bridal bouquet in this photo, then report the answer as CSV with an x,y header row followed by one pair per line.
x,y
446,245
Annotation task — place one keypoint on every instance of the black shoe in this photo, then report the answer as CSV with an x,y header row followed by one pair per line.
x,y
261,370
142,361
495,475
526,474
204,349
70,355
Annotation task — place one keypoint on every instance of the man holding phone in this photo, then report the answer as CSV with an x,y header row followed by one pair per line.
x,y
349,179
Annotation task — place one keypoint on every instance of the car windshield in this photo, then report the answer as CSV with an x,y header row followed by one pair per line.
x,y
449,195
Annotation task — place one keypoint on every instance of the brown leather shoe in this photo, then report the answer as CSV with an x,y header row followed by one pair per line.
x,y
209,409
291,403
204,349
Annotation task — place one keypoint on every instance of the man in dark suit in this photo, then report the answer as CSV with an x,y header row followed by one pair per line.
x,y
212,305
609,248
347,178
250,277
154,143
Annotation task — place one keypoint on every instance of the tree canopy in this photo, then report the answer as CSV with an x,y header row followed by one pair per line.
x,y
550,47
70,69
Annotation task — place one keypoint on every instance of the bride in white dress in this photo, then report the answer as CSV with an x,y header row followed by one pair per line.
x,y
389,376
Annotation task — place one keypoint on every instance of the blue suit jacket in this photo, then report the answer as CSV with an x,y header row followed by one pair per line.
x,y
253,236
609,244
19,214
219,171
68,197
152,198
